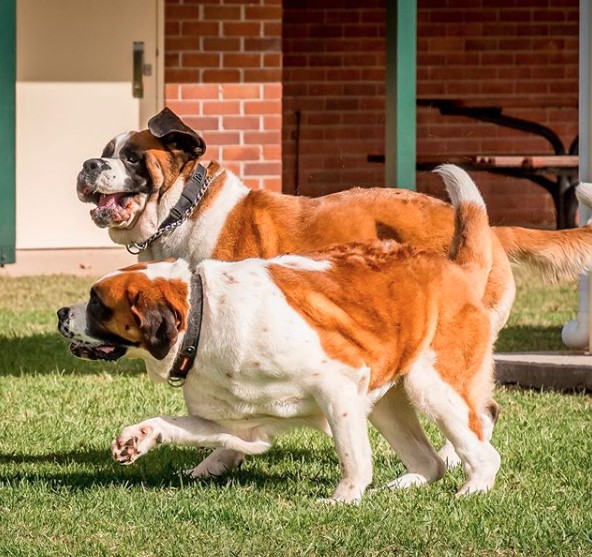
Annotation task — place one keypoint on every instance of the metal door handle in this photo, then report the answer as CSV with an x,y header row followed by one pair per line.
x,y
138,82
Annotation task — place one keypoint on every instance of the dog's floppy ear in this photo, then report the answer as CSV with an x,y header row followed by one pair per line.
x,y
158,322
172,131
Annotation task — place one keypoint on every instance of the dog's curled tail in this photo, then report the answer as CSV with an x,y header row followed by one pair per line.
x,y
471,245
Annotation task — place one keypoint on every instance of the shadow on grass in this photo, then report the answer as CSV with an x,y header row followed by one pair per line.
x,y
157,470
529,338
86,456
48,353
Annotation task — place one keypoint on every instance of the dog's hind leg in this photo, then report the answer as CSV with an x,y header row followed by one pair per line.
x,y
449,456
488,419
346,411
459,421
395,418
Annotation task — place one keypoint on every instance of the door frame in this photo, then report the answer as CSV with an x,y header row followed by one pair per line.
x,y
160,30
8,132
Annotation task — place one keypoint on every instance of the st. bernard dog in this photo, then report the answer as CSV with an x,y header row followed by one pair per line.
x,y
141,178
151,189
363,330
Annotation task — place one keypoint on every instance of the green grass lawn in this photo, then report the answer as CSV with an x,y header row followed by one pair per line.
x,y
61,495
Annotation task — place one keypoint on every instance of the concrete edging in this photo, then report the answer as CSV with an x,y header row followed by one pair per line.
x,y
553,370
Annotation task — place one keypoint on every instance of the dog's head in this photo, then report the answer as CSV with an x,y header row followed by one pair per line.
x,y
135,166
140,310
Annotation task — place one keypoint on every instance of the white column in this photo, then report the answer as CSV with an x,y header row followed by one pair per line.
x,y
576,334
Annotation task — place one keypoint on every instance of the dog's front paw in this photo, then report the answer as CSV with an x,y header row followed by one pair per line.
x,y
133,442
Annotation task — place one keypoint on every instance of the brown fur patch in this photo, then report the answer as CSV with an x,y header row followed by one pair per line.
x,y
266,224
135,267
143,265
163,164
377,304
381,304
131,293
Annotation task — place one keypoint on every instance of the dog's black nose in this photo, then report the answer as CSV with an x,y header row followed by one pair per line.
x,y
63,314
91,165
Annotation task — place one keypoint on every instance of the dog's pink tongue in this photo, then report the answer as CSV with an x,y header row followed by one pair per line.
x,y
106,200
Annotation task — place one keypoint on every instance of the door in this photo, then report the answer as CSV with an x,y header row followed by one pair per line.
x,y
75,91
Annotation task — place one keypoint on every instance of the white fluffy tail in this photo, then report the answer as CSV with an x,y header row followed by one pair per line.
x,y
459,185
471,246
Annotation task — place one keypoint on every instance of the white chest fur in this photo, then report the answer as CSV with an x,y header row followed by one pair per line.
x,y
196,238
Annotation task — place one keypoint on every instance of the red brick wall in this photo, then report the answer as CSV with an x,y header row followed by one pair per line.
x,y
333,73
512,52
522,55
223,77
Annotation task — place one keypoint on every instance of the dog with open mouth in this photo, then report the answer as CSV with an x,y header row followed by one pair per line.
x,y
373,330
155,194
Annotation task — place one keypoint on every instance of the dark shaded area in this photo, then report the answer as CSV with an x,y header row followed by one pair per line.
x,y
530,338
48,353
160,469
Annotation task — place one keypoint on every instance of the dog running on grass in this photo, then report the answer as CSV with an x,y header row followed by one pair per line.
x,y
372,330
146,182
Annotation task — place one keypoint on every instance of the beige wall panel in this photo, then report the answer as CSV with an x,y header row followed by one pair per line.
x,y
74,92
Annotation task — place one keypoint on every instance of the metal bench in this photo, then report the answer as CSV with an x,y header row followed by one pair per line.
x,y
558,174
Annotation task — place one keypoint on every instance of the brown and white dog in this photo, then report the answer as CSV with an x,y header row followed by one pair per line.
x,y
365,330
141,175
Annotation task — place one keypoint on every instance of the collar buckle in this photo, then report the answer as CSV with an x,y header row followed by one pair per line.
x,y
176,382
181,367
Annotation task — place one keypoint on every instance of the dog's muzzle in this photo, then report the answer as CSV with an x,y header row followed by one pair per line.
x,y
86,350
87,179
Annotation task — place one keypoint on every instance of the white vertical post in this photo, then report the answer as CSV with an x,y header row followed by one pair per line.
x,y
576,334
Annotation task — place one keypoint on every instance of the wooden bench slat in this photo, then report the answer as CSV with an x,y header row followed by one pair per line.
x,y
500,160
507,102
505,161
563,161
528,161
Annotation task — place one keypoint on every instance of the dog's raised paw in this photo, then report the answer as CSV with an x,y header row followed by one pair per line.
x,y
133,442
124,452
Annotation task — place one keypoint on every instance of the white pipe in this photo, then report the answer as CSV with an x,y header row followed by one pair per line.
x,y
576,334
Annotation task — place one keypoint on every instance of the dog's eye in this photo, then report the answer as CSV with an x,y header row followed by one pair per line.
x,y
132,158
96,305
